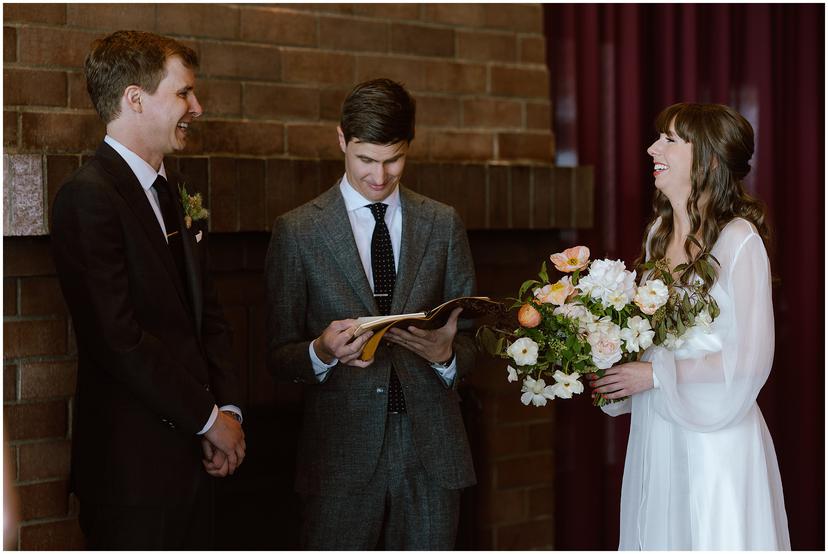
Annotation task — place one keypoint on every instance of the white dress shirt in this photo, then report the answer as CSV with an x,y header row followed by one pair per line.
x,y
362,225
146,176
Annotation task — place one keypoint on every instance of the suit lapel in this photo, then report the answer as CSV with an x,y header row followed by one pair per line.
x,y
417,225
130,189
334,227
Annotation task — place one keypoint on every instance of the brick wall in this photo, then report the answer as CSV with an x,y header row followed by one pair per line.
x,y
271,82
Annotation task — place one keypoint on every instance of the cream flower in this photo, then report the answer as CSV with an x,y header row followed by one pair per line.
x,y
638,334
604,338
512,374
651,296
672,342
555,293
609,281
567,385
571,259
577,312
536,392
704,321
523,351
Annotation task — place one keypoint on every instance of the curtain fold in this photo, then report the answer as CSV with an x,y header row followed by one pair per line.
x,y
613,68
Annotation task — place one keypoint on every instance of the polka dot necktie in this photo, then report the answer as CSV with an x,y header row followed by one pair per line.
x,y
165,202
385,275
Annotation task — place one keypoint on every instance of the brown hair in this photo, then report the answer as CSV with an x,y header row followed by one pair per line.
x,y
380,112
127,58
722,141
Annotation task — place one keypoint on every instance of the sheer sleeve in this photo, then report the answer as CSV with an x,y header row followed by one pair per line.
x,y
713,390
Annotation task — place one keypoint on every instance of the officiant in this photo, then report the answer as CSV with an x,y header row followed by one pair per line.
x,y
383,451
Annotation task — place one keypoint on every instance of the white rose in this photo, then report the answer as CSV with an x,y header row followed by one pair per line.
x,y
577,312
610,282
638,334
651,296
523,351
604,338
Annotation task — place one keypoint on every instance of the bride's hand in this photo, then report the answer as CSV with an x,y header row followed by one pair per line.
x,y
623,380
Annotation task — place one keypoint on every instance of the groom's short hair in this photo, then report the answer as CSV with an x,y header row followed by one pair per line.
x,y
126,58
380,112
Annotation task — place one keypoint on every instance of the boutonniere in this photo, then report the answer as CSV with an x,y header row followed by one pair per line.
x,y
193,210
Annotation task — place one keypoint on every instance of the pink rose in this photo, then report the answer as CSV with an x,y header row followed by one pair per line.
x,y
571,259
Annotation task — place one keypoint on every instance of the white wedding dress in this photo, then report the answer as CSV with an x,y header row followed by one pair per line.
x,y
701,471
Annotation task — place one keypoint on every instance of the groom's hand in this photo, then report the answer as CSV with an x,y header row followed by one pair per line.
x,y
333,343
215,461
436,345
226,434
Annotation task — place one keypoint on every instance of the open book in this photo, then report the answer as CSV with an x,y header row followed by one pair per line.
x,y
473,307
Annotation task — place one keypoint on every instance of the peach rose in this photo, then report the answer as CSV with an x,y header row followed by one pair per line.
x,y
571,259
556,293
528,316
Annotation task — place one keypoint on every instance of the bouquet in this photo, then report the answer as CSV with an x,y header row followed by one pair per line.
x,y
586,323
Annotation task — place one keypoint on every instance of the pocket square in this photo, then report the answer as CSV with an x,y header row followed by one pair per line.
x,y
198,236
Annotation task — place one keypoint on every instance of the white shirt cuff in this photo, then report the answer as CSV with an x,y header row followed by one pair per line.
x,y
233,408
320,368
447,373
213,416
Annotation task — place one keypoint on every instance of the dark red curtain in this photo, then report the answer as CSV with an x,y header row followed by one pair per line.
x,y
613,67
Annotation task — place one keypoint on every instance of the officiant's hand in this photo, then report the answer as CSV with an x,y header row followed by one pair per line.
x,y
436,345
333,344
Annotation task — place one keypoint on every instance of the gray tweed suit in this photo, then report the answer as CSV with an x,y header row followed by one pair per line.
x,y
314,276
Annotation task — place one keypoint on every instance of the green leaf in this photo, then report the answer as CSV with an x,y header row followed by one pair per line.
x,y
544,276
525,286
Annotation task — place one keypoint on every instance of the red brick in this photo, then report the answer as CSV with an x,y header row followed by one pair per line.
x,y
506,440
54,46
10,129
530,470
515,17
422,40
471,15
291,183
307,66
220,59
53,535
509,408
533,49
9,296
34,338
521,197
322,7
283,102
460,146
330,102
9,382
9,44
62,132
58,169
407,71
251,187
419,147
109,17
251,138
219,97
40,500
278,26
348,33
224,197
78,95
508,506
542,502
313,141
24,256
44,460
460,78
440,111
53,14
486,46
533,535
40,380
388,11
541,436
41,296
201,20
37,420
526,146
539,116
518,81
490,112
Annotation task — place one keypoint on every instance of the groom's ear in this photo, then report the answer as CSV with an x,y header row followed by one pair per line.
x,y
131,99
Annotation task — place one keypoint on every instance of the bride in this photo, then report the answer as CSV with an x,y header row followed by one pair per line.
x,y
701,471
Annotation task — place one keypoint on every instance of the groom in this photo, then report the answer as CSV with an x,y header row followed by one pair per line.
x,y
157,390
383,451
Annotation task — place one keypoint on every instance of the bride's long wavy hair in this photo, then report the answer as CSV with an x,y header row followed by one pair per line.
x,y
722,142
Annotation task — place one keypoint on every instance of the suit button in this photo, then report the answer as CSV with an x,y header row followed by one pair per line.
x,y
380,390
207,387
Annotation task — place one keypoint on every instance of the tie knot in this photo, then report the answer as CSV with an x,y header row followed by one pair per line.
x,y
378,209
161,184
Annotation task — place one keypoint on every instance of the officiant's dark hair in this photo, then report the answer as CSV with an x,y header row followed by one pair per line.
x,y
127,58
380,112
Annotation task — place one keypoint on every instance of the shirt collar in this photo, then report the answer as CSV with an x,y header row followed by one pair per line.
x,y
143,171
354,200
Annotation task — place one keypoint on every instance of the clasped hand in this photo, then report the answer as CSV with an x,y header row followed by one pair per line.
x,y
436,345
622,380
223,446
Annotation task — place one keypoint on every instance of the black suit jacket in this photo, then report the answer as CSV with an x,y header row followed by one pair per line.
x,y
154,352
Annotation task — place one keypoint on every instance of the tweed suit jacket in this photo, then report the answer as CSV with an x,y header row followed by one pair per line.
x,y
314,276
154,352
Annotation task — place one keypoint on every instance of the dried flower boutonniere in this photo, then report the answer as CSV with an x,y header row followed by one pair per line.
x,y
193,210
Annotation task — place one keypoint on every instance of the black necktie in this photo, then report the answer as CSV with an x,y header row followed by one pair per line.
x,y
385,275
168,212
